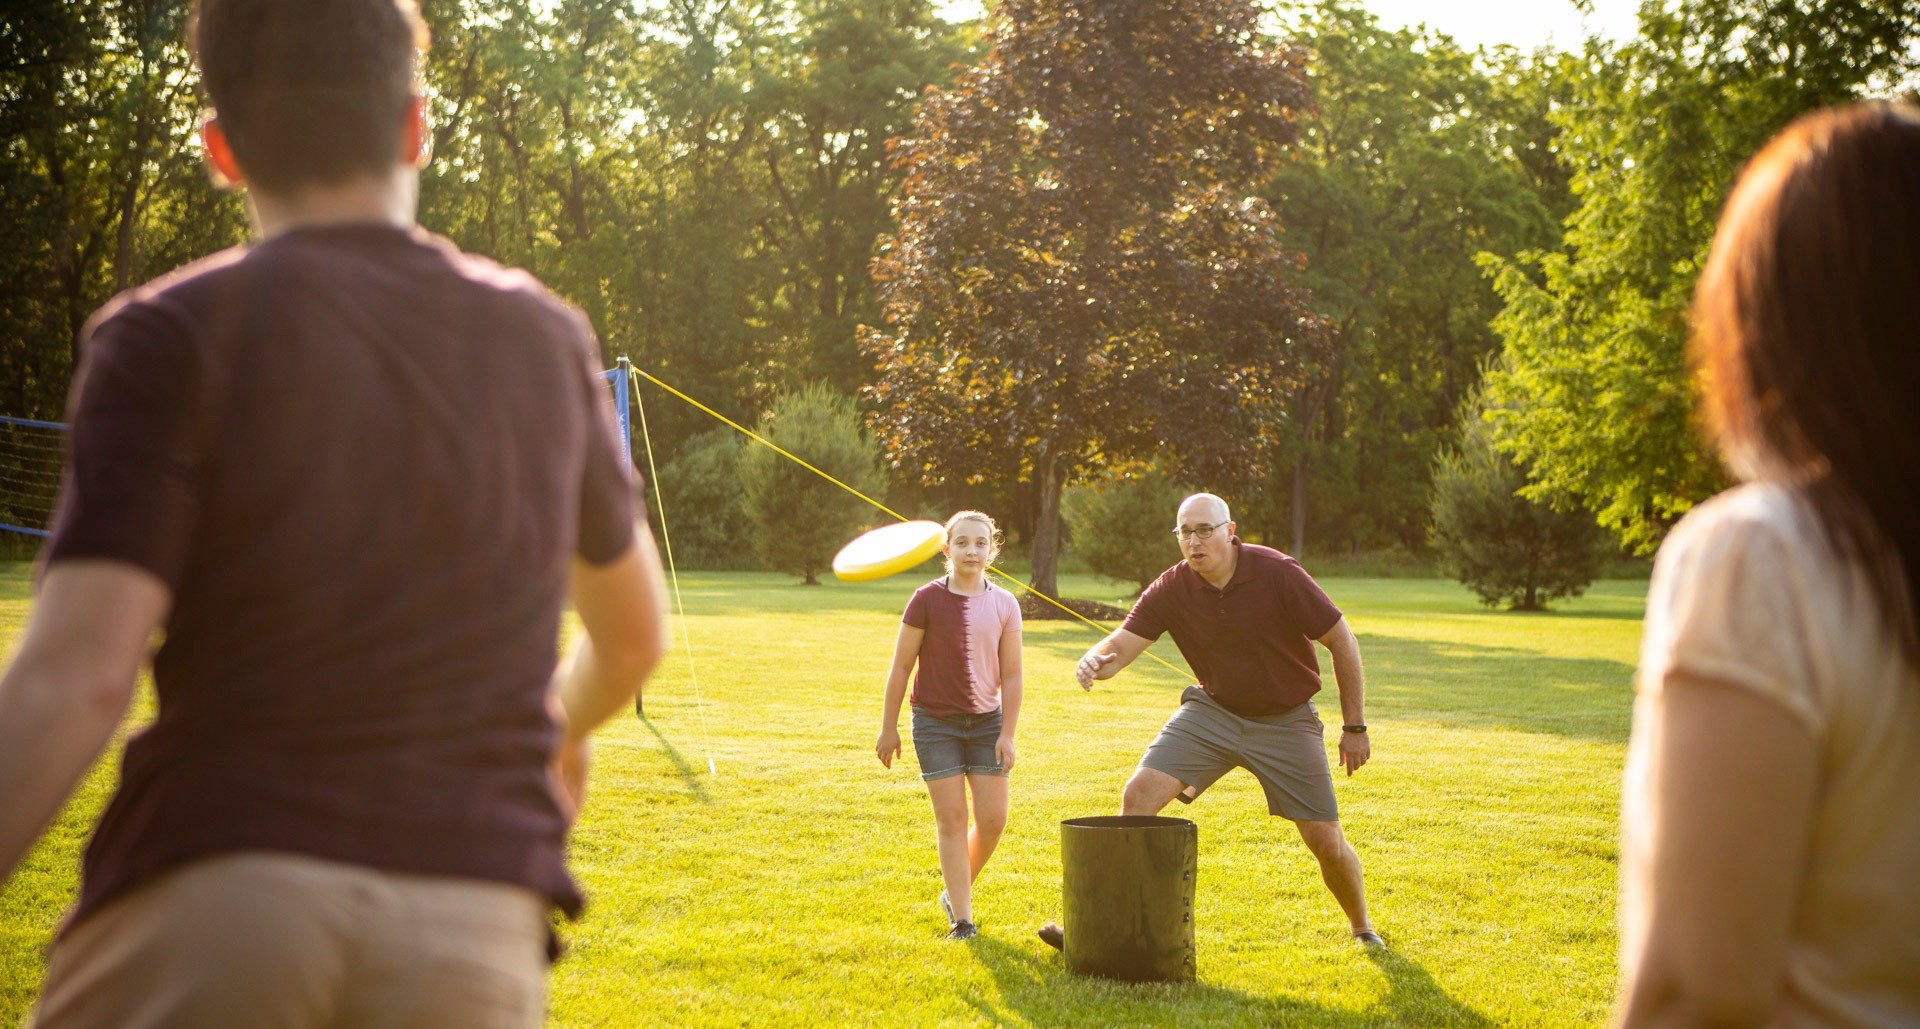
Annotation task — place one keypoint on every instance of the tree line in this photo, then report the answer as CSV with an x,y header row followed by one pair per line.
x,y
728,189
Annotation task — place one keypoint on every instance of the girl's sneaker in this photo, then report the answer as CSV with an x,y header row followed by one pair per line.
x,y
946,907
962,930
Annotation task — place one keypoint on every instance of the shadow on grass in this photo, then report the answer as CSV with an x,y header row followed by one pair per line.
x,y
1414,998
1468,684
1588,612
1039,990
688,774
1461,684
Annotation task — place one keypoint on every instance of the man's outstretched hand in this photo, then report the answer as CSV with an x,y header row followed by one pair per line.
x,y
1089,667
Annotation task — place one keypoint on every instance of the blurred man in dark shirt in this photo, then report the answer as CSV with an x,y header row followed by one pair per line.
x,y
355,475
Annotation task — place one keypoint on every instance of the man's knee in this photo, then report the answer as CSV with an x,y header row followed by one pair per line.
x,y
1147,792
1324,840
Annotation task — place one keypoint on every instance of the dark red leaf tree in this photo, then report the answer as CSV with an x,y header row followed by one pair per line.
x,y
1081,275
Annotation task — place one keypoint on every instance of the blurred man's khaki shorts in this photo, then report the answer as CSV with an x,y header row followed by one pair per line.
x,y
256,939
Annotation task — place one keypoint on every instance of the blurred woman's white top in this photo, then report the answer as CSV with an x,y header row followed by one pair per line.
x,y
1746,593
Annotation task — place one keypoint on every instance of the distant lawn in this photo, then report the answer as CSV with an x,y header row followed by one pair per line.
x,y
798,886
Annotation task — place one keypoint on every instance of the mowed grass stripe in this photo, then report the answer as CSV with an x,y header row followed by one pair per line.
x,y
798,885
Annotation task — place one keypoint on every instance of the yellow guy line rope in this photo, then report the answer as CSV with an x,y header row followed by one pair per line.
x,y
686,635
1104,630
776,447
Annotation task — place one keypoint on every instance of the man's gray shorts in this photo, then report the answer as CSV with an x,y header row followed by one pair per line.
x,y
1286,752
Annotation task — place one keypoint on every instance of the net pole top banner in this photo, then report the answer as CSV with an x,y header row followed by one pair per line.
x,y
617,377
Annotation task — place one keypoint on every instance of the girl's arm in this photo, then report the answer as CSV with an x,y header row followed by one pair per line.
x,y
906,650
1012,691
1732,781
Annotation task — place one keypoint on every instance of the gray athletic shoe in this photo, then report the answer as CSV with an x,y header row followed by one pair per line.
x,y
1369,939
946,907
962,930
1051,935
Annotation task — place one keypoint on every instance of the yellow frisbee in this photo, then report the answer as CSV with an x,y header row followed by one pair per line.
x,y
888,550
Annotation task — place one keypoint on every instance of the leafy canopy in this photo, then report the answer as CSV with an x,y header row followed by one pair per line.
x,y
1080,276
1592,392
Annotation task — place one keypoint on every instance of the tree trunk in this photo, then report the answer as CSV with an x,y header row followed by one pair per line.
x,y
1051,478
1307,405
127,204
1299,503
128,201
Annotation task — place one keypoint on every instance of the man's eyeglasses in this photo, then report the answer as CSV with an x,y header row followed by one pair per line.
x,y
1205,532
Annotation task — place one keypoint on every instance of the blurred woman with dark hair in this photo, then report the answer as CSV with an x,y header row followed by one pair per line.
x,y
1770,867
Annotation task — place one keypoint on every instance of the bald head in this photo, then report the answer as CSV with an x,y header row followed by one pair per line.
x,y
1202,508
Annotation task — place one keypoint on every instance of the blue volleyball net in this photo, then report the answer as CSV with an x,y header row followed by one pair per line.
x,y
30,457
31,453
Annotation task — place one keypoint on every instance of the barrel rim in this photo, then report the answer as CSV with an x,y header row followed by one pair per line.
x,y
1126,822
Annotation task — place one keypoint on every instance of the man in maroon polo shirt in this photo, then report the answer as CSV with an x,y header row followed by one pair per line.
x,y
1246,618
355,475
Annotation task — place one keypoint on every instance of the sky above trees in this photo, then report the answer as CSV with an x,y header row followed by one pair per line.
x,y
1526,24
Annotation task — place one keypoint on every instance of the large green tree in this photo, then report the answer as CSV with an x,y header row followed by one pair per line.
x,y
706,178
602,146
827,103
1592,391
1080,276
1419,156
101,186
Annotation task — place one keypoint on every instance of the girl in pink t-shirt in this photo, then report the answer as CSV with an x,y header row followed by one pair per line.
x,y
964,633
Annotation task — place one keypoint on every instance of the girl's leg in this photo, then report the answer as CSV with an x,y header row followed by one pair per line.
x,y
949,796
989,818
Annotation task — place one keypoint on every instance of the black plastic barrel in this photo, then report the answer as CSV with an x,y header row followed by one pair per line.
x,y
1127,887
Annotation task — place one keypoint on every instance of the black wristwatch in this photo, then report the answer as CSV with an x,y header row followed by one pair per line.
x,y
1353,728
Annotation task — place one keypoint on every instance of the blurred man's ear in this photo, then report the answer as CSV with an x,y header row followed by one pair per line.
x,y
416,139
226,170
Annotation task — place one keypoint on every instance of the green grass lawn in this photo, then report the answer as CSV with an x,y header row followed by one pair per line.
x,y
798,886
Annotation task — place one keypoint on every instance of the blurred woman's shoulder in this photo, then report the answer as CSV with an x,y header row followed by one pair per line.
x,y
1766,508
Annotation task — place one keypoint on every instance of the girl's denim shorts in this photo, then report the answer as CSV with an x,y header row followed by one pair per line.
x,y
949,745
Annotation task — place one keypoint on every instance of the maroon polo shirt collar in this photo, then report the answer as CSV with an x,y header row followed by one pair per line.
x,y
1239,570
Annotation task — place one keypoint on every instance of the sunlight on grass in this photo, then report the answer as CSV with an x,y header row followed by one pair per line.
x,y
798,885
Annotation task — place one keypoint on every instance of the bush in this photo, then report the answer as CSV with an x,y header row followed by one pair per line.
x,y
800,519
701,491
1504,547
1119,524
